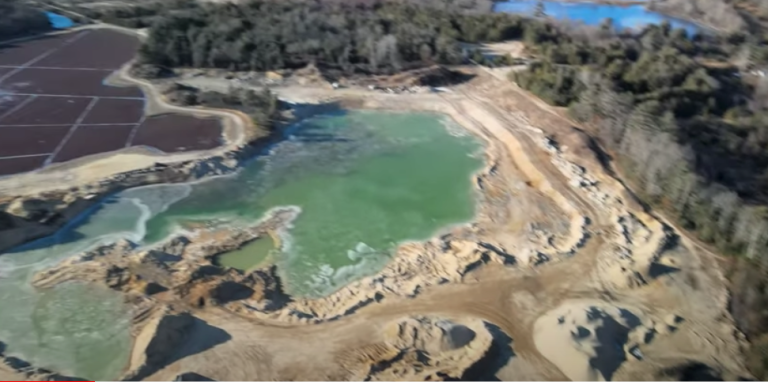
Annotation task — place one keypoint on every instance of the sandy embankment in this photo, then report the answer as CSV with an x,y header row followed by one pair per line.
x,y
166,282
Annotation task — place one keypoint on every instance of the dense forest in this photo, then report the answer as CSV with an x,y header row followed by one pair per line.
x,y
375,37
688,126
19,18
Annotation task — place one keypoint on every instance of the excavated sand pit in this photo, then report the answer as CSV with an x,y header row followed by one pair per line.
x,y
559,276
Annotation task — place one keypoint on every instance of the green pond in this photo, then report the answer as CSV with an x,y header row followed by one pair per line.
x,y
363,183
249,256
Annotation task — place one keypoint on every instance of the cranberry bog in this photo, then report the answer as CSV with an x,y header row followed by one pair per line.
x,y
55,105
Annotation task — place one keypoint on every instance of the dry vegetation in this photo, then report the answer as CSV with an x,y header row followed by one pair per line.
x,y
719,14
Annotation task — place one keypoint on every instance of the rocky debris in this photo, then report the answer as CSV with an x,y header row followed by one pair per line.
x,y
577,175
420,348
179,263
415,267
640,254
642,249
633,231
104,265
181,270
259,290
500,252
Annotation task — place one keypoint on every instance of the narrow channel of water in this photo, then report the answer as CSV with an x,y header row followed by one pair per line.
x,y
364,181
633,17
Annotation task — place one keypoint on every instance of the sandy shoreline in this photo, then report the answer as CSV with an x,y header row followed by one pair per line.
x,y
554,237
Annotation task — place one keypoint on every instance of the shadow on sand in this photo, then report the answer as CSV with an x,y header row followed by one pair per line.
x,y
494,359
612,335
177,337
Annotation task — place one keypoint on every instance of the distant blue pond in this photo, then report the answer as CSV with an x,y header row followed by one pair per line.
x,y
624,17
58,21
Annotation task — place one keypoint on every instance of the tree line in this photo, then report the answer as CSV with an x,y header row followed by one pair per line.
x,y
369,37
687,125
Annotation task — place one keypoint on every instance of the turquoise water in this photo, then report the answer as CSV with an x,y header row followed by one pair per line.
x,y
76,329
624,17
58,21
363,181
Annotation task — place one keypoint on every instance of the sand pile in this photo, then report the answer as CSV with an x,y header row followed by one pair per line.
x,y
421,348
162,338
592,339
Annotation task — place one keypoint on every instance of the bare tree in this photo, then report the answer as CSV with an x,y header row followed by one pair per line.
x,y
681,189
718,13
727,204
743,58
386,51
757,239
751,230
759,101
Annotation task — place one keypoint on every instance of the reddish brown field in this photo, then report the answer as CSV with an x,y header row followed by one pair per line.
x,y
66,82
55,107
48,111
87,140
31,140
116,111
8,102
171,133
103,50
22,52
10,166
